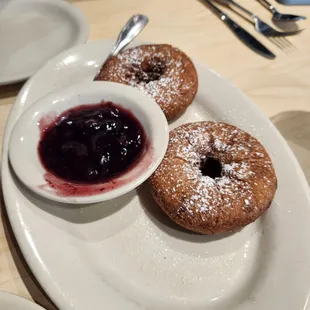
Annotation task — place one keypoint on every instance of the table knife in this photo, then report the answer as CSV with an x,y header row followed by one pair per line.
x,y
241,33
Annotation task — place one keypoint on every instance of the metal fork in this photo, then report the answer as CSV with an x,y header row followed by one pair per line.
x,y
275,36
261,26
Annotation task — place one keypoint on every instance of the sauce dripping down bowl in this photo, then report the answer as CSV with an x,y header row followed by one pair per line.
x,y
54,110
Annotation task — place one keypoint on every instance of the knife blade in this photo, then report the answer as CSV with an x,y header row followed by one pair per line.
x,y
241,33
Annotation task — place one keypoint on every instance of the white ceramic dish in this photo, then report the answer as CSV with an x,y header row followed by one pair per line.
x,y
125,254
34,31
27,134
10,301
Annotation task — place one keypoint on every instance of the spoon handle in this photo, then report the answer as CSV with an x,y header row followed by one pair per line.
x,y
241,8
267,5
131,29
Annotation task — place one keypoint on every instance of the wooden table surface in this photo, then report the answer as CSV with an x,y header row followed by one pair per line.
x,y
280,87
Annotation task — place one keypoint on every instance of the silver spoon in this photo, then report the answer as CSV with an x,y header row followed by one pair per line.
x,y
278,16
132,28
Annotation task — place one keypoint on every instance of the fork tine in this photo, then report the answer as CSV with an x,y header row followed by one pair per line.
x,y
280,44
289,44
283,43
290,48
276,42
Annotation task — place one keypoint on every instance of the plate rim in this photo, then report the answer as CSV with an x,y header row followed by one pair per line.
x,y
82,37
23,240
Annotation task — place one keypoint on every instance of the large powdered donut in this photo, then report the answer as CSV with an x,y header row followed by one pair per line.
x,y
214,178
160,70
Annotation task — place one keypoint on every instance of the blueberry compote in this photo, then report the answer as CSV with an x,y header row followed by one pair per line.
x,y
92,143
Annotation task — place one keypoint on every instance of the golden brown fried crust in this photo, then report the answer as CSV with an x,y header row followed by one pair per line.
x,y
159,70
241,194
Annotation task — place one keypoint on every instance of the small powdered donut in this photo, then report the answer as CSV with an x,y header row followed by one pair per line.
x,y
159,70
214,178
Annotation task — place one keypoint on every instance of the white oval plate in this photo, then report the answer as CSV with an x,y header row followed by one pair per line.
x,y
34,31
125,254
26,136
10,301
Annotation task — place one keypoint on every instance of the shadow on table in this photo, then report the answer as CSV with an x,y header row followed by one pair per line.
x,y
295,128
7,91
24,271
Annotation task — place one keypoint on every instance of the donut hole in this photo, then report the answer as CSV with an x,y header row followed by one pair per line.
x,y
151,69
211,167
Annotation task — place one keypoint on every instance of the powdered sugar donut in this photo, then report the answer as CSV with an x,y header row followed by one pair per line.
x,y
214,178
159,70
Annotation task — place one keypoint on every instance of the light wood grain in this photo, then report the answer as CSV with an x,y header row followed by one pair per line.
x,y
281,87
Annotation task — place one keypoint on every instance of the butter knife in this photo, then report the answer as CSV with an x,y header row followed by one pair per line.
x,y
241,33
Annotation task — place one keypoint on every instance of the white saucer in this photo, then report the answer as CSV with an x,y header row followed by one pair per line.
x,y
9,301
34,31
27,134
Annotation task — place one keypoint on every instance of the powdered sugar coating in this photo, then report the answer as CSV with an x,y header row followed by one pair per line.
x,y
161,71
208,205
